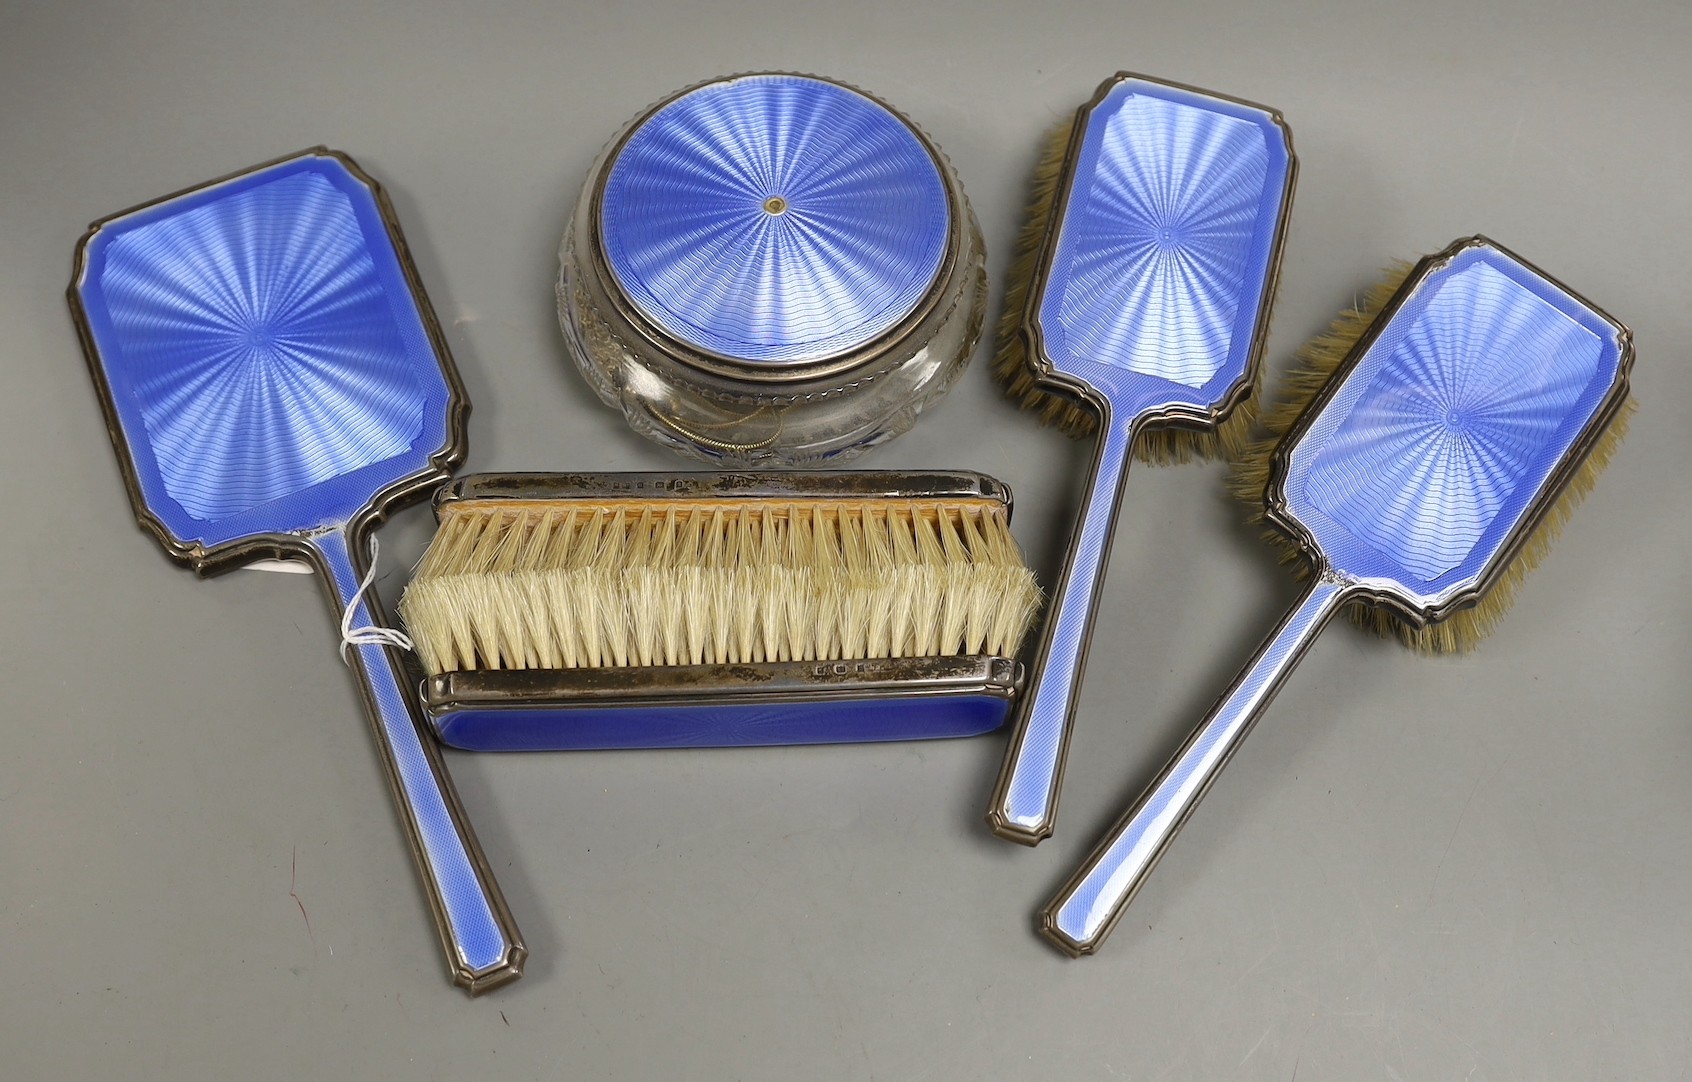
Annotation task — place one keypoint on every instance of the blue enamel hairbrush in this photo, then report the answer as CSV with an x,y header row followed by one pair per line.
x,y
1417,487
1138,310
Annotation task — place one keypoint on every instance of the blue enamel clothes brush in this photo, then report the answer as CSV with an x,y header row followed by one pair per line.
x,y
1422,481
274,382
619,610
1139,308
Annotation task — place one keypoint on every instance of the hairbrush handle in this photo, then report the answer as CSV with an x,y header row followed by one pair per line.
x,y
1082,914
1024,803
484,949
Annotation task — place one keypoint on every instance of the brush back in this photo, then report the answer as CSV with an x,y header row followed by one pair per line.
x,y
1159,268
1457,420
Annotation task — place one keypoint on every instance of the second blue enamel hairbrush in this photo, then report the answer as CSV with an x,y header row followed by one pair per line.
x,y
1418,485
1150,259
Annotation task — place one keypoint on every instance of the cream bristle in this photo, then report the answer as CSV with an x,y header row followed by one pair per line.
x,y
567,559
904,577
925,605
1055,404
552,587
822,591
540,640
954,567
852,589
595,584
878,563
745,589
516,639
608,564
640,569
1313,367
971,541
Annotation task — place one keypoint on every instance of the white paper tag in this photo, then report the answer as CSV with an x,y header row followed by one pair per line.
x,y
286,567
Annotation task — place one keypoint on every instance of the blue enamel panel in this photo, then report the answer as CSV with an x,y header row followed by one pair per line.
x,y
1442,437
267,360
1164,255
774,219
704,725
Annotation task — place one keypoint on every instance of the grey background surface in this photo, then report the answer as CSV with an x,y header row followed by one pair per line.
x,y
1415,869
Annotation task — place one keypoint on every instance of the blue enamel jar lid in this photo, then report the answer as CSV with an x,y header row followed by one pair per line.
x,y
774,220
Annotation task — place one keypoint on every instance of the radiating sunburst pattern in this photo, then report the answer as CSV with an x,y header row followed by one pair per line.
x,y
261,348
775,219
1160,244
1470,401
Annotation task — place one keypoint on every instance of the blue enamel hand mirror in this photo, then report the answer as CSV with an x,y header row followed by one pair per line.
x,y
274,382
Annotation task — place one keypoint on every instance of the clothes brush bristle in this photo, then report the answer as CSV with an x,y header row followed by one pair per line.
x,y
1052,403
582,584
1313,366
